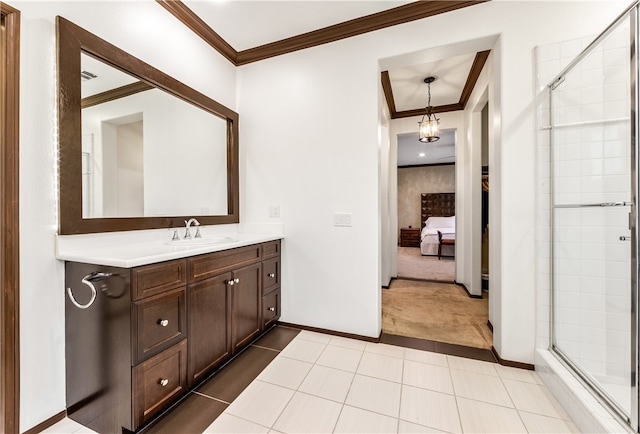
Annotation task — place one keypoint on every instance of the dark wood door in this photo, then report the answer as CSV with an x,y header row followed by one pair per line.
x,y
246,298
209,325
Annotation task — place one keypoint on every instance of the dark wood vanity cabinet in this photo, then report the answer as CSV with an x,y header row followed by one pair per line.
x,y
158,330
270,283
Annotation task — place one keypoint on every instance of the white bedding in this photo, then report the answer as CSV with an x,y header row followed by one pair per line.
x,y
429,235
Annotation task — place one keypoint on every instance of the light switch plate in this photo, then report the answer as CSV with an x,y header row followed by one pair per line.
x,y
274,211
342,219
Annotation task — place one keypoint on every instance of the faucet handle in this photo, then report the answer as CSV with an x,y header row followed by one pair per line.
x,y
198,235
175,236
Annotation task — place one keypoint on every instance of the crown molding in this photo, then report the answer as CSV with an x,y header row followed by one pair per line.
x,y
474,73
380,20
113,94
391,17
200,28
472,79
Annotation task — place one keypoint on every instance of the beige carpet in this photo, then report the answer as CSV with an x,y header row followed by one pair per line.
x,y
412,265
441,312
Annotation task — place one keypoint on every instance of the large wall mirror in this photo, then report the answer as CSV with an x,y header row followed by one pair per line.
x,y
138,149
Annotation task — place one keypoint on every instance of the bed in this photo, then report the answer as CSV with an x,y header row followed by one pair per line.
x,y
437,215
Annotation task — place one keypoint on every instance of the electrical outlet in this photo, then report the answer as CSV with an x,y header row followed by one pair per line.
x,y
342,219
274,211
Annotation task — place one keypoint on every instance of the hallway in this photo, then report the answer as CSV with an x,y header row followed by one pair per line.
x,y
438,312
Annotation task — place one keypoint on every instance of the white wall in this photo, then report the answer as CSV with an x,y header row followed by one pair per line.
x,y
412,181
386,162
310,144
150,33
470,175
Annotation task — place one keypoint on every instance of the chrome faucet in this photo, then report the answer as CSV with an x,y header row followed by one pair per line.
x,y
196,223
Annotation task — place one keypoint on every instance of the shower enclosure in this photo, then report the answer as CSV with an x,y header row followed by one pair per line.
x,y
594,239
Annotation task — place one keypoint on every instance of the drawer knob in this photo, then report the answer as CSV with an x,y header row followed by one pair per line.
x,y
230,282
237,280
164,382
164,322
272,309
272,274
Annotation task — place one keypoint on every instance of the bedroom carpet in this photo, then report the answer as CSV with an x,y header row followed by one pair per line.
x,y
412,265
434,311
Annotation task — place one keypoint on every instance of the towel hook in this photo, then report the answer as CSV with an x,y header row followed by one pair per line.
x,y
88,280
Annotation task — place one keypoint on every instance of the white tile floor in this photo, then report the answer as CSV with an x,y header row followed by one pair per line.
x,y
322,384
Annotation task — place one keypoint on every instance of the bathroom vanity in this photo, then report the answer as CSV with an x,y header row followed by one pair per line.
x,y
156,330
148,319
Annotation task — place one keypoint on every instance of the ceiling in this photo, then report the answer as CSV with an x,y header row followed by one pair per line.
x,y
264,22
269,28
412,152
410,92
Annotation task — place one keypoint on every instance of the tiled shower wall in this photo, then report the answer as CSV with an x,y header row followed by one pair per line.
x,y
591,165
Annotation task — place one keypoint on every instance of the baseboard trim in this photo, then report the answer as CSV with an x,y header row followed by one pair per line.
x,y
490,326
47,423
415,279
390,282
332,332
468,293
511,363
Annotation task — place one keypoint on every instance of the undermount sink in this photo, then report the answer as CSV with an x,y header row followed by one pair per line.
x,y
200,242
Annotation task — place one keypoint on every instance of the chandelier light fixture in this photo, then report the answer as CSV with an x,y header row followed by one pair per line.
x,y
428,126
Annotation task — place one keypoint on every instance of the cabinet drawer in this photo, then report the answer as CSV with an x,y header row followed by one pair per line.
x,y
270,308
271,249
159,322
157,278
270,274
158,381
204,266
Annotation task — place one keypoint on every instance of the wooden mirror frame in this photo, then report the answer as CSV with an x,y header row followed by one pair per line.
x,y
72,40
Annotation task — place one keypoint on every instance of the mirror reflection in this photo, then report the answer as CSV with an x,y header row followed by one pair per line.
x,y
145,152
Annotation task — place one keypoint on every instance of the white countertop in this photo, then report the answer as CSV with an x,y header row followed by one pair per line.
x,y
146,247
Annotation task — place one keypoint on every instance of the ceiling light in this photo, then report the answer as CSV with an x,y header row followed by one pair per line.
x,y
421,154
428,126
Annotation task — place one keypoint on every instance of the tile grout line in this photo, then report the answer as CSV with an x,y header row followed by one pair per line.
x,y
267,348
195,392
296,390
402,389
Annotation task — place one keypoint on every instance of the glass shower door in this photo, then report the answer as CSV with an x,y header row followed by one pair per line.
x,y
593,216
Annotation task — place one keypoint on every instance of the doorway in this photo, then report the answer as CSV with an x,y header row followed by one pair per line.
x,y
9,235
465,120
426,175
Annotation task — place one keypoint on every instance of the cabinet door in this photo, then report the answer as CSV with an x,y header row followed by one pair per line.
x,y
209,325
246,297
